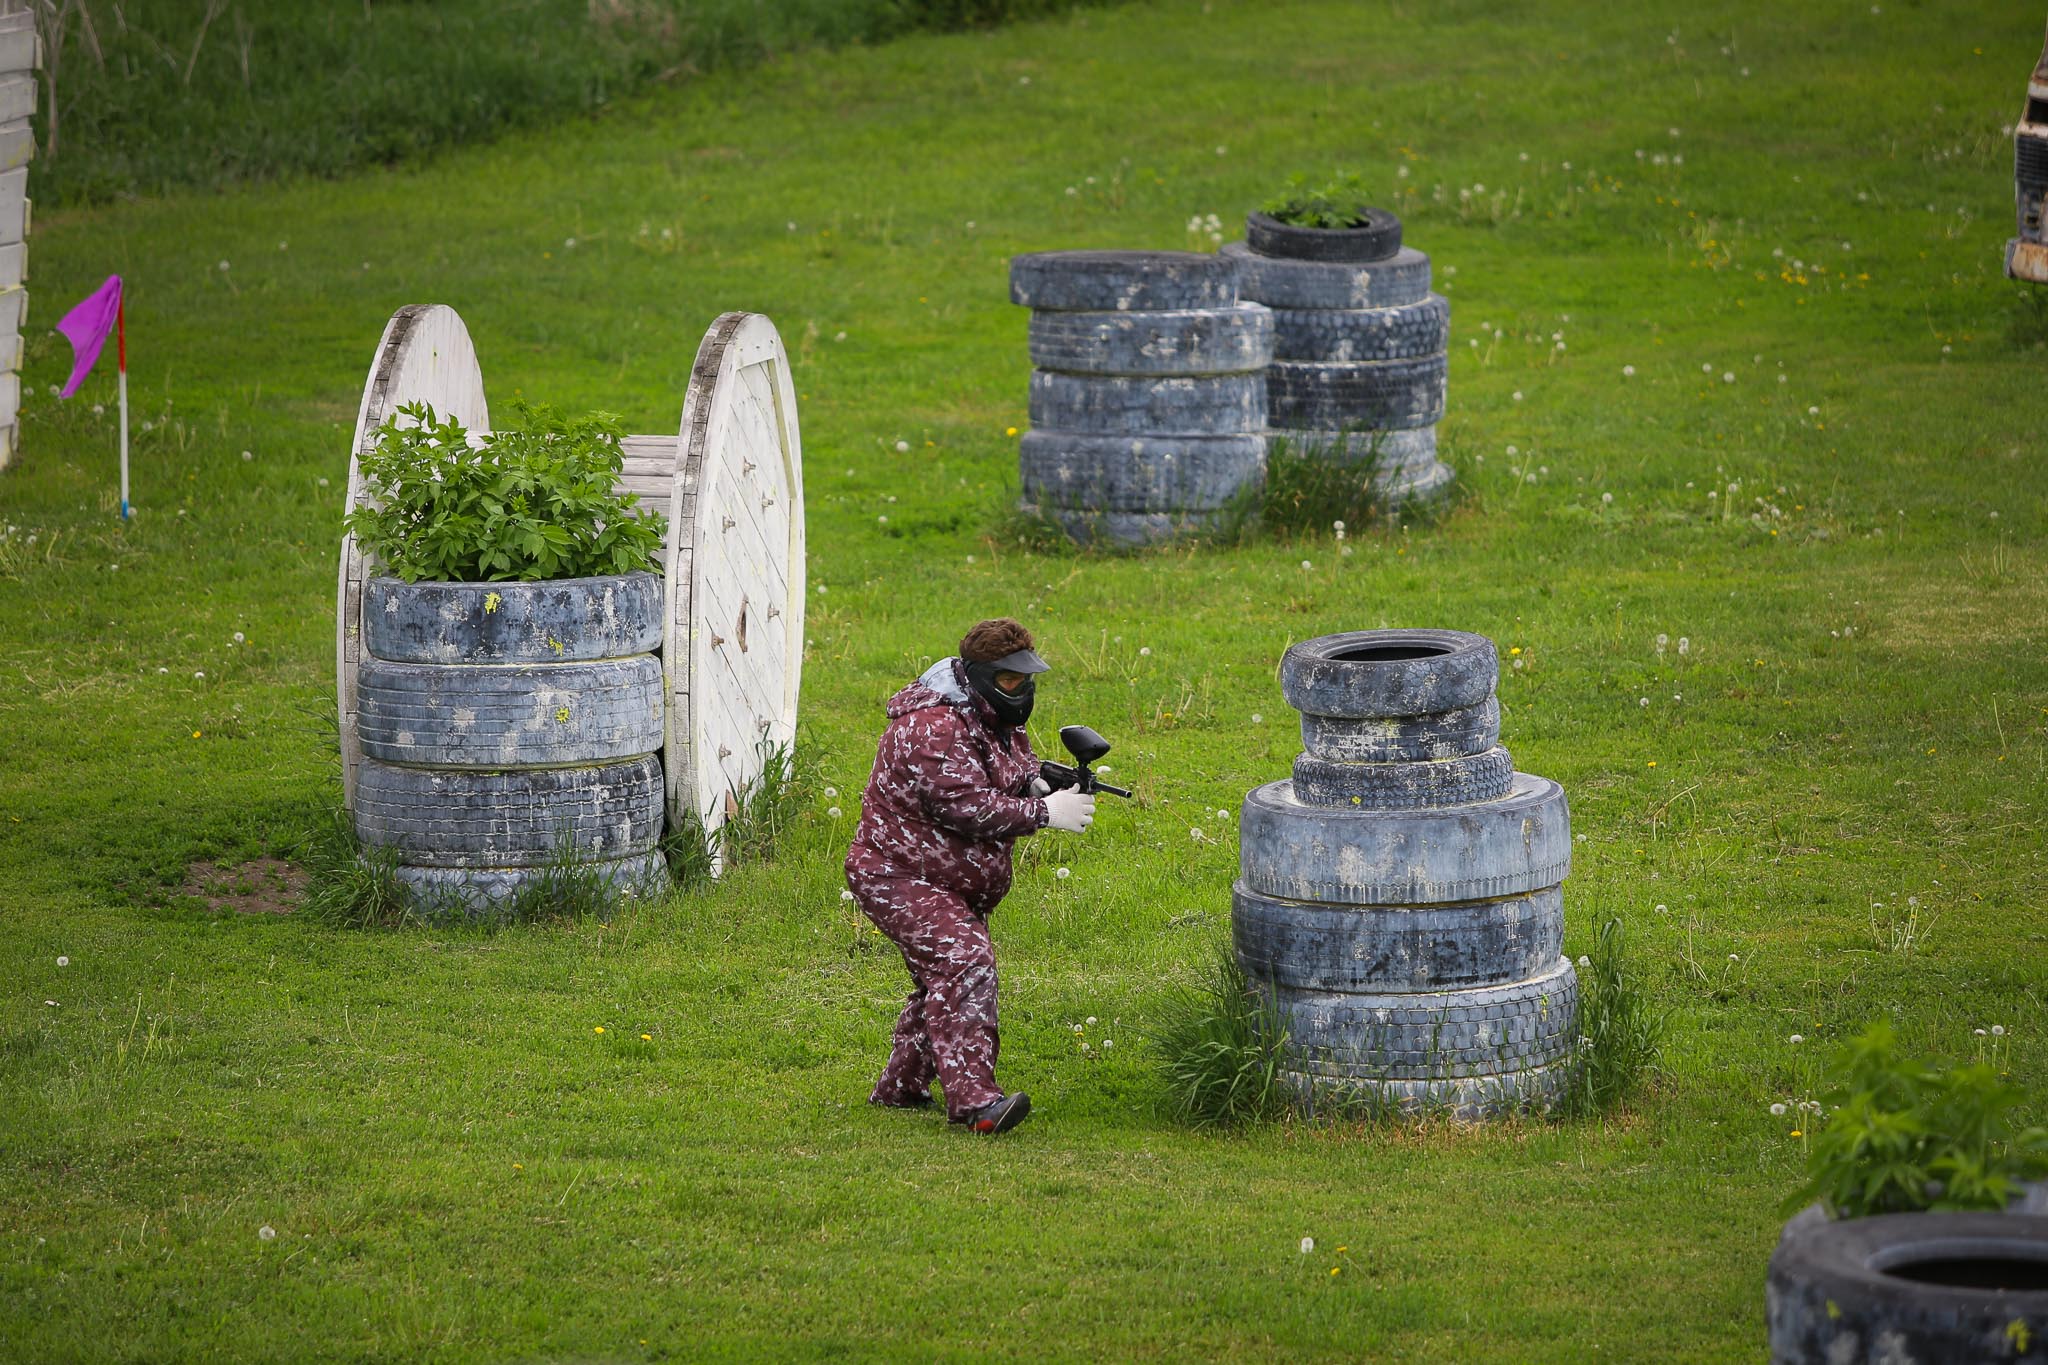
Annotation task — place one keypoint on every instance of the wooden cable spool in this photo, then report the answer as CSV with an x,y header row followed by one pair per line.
x,y
731,485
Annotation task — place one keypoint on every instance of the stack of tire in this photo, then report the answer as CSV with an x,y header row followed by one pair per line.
x,y
1360,345
1148,396
511,731
1398,900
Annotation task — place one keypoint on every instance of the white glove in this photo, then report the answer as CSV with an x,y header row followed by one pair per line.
x,y
1039,787
1070,810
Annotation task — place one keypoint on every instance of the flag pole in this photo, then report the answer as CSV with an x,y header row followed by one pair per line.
x,y
121,354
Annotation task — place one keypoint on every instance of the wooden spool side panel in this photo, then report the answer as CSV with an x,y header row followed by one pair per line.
x,y
425,356
736,571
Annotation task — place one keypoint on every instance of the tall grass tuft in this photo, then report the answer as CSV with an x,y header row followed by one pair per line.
x,y
1620,1033
756,825
1222,1046
348,886
1309,489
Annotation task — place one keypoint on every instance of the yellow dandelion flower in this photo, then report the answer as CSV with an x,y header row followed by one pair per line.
x,y
600,1028
1336,1270
1009,431
1653,762
517,1167
646,1037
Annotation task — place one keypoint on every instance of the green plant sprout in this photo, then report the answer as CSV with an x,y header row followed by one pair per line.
x,y
1904,1134
535,502
1339,202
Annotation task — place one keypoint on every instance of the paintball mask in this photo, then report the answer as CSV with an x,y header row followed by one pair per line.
x,y
1012,707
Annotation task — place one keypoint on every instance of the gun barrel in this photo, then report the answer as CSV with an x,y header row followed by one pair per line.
x,y
1097,784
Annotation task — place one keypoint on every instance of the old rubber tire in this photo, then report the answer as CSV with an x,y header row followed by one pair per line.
x,y
1108,405
1375,240
1408,486
1404,786
1362,335
1313,946
557,621
1871,1289
1346,856
1402,278
1403,739
1413,450
1427,1035
1122,281
491,716
1189,342
1390,395
1535,1089
482,894
520,817
1366,674
1138,473
1133,530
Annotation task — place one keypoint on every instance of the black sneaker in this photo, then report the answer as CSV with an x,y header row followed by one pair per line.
x,y
999,1116
921,1100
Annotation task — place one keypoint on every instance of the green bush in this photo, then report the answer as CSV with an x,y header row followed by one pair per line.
x,y
1905,1134
534,502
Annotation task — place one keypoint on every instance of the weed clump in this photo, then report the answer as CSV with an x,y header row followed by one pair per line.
x,y
1223,1047
1620,1034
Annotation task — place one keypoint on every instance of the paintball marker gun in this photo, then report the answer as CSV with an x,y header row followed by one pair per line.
x,y
1086,746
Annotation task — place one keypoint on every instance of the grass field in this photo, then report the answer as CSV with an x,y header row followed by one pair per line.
x,y
1735,265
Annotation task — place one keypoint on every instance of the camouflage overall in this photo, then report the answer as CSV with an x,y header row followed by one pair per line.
x,y
929,862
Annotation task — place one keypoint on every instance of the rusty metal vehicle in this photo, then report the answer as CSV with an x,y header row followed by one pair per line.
x,y
2026,256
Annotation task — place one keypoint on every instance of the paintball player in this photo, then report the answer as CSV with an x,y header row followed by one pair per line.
x,y
955,784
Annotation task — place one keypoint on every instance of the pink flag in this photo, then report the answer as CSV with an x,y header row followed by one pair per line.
x,y
87,326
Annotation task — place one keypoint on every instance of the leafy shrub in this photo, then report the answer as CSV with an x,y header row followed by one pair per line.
x,y
535,502
1904,1134
1333,204
1619,1034
1222,1045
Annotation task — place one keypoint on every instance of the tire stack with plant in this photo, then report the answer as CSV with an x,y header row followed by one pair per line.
x,y
1148,400
1360,356
1398,901
509,692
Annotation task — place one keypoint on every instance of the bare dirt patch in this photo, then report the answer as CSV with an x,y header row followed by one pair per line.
x,y
262,886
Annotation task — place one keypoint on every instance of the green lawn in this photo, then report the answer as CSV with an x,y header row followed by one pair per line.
x,y
1827,489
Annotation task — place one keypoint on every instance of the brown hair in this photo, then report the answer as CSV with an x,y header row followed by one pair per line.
x,y
995,639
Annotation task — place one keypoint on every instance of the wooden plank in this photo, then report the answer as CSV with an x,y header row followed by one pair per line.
x,y
13,204
21,49
17,144
10,398
13,264
16,20
7,438
10,350
17,96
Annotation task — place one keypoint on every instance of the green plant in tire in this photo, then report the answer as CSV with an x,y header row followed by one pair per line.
x,y
1907,1134
537,501
1339,202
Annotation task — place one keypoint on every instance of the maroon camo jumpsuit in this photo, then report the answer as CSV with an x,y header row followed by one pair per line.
x,y
929,862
